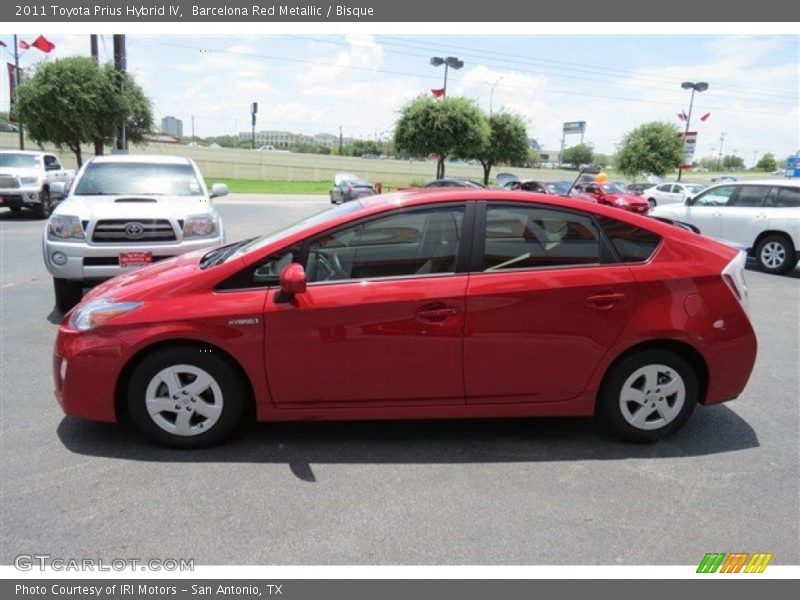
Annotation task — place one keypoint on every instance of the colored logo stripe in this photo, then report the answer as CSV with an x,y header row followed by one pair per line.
x,y
758,563
734,562
711,562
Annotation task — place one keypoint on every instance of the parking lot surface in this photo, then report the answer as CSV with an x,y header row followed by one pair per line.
x,y
516,491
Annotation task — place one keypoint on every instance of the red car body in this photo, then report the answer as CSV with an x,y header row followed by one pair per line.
x,y
521,342
612,195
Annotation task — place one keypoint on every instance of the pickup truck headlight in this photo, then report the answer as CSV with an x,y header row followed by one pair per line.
x,y
65,227
29,180
200,226
95,313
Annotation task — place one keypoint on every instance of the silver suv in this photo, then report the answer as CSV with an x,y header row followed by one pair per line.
x,y
124,212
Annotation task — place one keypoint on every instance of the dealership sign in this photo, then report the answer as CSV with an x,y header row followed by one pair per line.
x,y
575,127
689,144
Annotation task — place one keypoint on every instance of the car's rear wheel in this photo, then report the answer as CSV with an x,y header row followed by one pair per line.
x,y
652,202
68,293
775,254
649,395
186,397
42,210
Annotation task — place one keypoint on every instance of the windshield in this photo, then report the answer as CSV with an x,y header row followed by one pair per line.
x,y
612,188
19,160
558,187
265,240
695,189
120,178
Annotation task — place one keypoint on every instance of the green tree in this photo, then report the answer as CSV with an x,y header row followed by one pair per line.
x,y
581,154
767,163
732,163
451,126
73,101
653,148
507,143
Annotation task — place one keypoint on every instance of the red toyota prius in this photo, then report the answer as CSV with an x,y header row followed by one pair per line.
x,y
465,303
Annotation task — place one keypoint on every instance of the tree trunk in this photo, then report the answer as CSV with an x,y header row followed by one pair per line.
x,y
440,168
98,146
487,168
77,150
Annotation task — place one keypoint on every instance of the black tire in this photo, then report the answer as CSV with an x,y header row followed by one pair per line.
x,y
68,293
228,380
652,203
610,407
774,247
15,208
42,210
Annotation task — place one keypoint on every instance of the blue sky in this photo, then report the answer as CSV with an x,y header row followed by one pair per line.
x,y
312,84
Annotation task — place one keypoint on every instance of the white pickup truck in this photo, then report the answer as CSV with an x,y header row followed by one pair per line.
x,y
26,178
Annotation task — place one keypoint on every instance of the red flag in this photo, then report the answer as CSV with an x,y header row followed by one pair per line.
x,y
438,93
43,44
3,44
24,45
705,116
681,117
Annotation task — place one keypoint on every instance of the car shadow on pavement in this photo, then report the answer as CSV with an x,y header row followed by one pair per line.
x,y
19,215
711,430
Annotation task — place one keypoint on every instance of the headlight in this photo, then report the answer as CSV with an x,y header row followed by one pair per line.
x,y
29,180
65,227
621,201
95,313
199,226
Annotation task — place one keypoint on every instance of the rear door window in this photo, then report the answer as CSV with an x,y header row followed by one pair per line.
x,y
632,243
715,196
749,196
783,197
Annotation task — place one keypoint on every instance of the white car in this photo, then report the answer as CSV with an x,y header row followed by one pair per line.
x,y
761,216
26,180
671,193
125,212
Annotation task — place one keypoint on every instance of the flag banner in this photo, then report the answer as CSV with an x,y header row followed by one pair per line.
x,y
438,93
24,45
689,145
705,116
43,44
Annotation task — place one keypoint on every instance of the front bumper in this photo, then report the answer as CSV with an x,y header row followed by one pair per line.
x,y
85,262
19,197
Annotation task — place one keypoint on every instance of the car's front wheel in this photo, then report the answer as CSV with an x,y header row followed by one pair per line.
x,y
652,202
42,210
68,293
186,397
775,254
649,395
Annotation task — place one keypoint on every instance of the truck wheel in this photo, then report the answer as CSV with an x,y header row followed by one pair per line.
x,y
42,210
68,293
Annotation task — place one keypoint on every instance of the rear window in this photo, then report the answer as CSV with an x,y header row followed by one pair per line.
x,y
783,197
633,244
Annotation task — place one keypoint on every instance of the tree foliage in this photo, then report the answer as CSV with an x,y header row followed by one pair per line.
x,y
767,163
507,143
73,101
581,154
653,148
446,127
732,163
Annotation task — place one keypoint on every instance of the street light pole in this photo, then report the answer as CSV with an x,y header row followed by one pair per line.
x,y
491,93
450,61
700,86
16,87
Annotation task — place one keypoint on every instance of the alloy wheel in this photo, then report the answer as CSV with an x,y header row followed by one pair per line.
x,y
652,397
184,400
773,255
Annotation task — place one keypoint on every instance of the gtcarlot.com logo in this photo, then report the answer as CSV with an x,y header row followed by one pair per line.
x,y
735,562
41,562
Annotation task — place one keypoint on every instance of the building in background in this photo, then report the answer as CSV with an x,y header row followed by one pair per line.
x,y
172,126
284,139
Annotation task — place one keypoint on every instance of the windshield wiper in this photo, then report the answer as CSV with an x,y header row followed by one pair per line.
x,y
220,255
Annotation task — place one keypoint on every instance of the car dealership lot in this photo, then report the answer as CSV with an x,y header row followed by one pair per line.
x,y
450,492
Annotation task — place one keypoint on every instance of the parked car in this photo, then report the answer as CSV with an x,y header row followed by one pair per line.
x,y
445,183
552,188
7,127
348,187
636,188
611,194
435,305
761,216
26,180
124,212
671,193
723,179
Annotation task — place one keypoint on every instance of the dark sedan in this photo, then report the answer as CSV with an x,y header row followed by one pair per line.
x,y
349,187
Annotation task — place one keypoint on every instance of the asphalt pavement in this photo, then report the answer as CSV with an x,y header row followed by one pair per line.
x,y
515,491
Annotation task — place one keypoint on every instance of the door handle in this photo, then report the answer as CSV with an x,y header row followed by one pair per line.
x,y
436,313
605,299
716,214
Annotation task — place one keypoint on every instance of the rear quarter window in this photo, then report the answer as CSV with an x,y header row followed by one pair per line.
x,y
633,244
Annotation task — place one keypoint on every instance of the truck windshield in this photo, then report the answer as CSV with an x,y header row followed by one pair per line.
x,y
142,179
17,160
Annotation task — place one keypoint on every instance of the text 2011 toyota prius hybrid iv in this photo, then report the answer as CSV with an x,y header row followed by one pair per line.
x,y
469,303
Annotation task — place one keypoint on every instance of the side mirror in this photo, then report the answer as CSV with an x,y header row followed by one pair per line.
x,y
293,279
58,188
219,189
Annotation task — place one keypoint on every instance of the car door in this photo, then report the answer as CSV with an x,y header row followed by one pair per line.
x,y
663,193
544,304
381,321
743,217
705,210
596,192
53,167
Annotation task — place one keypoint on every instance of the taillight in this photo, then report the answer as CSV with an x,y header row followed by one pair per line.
x,y
733,276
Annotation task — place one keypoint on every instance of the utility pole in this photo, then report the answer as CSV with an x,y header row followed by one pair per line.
x,y
755,158
193,129
719,158
98,142
341,140
120,64
16,87
253,111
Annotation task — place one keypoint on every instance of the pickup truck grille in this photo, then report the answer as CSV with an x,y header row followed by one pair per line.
x,y
7,182
133,231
